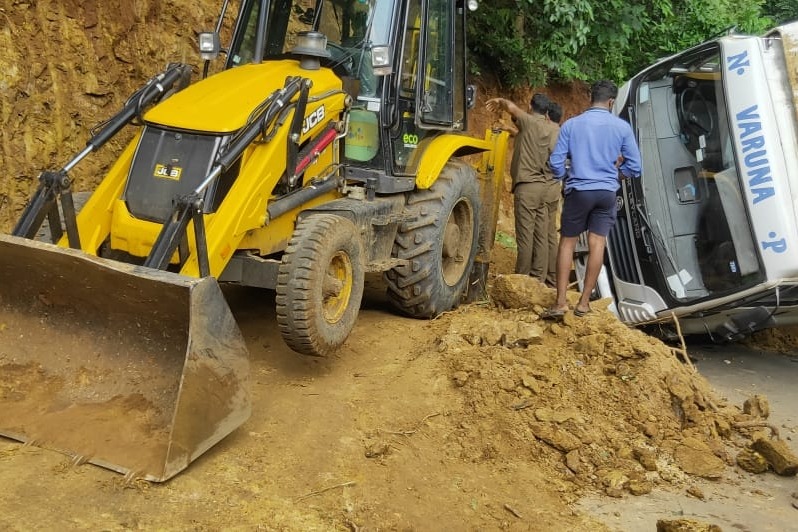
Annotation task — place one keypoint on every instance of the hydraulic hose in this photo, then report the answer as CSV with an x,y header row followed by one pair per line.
x,y
150,93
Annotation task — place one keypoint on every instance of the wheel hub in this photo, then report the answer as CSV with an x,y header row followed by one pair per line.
x,y
457,239
337,287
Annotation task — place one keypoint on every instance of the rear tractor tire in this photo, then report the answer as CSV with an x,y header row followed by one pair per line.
x,y
440,244
320,284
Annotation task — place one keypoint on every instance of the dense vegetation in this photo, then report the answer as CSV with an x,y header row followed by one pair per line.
x,y
566,40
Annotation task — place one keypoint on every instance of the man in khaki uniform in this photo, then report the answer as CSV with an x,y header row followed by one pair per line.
x,y
536,194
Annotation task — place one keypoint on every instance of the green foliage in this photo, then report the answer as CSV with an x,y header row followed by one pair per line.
x,y
528,42
501,49
781,10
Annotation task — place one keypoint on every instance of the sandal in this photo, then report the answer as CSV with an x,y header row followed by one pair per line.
x,y
582,313
552,314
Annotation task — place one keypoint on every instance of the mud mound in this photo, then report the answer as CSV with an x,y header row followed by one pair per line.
x,y
781,340
589,399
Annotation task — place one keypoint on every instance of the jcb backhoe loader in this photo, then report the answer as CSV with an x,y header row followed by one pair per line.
x,y
327,147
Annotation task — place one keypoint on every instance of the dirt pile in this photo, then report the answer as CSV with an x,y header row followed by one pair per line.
x,y
781,340
590,400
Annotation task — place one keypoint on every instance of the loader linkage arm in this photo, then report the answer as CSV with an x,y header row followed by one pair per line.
x,y
52,185
173,236
57,184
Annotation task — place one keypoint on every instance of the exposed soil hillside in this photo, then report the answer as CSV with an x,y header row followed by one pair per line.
x,y
485,418
67,66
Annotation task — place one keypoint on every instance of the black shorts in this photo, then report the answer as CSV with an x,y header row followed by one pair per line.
x,y
588,210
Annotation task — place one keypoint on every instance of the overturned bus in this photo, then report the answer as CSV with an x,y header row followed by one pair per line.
x,y
708,233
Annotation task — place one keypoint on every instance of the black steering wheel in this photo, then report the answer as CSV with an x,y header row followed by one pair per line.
x,y
697,114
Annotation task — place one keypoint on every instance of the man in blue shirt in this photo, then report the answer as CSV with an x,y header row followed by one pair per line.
x,y
599,145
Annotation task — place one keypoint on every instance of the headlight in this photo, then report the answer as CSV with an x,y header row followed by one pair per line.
x,y
209,45
381,60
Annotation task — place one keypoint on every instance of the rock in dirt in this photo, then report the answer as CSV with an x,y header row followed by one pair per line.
x,y
592,345
778,455
520,291
523,335
560,439
640,487
696,492
614,483
752,461
647,458
696,458
757,406
650,429
685,525
531,384
557,416
573,462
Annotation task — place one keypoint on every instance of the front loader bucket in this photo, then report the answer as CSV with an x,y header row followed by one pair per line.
x,y
129,368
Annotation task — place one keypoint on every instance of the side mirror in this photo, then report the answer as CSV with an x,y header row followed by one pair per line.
x,y
209,45
471,96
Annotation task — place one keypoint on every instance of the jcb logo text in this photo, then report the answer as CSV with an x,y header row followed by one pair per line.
x,y
165,171
313,119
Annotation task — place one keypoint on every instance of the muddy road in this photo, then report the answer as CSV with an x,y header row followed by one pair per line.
x,y
388,435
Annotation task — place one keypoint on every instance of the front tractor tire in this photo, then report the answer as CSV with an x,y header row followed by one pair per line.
x,y
439,245
320,284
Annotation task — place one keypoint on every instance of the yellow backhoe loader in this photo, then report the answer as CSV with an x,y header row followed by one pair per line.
x,y
330,145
